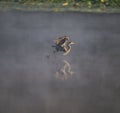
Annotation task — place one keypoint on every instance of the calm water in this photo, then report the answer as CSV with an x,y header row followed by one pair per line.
x,y
35,80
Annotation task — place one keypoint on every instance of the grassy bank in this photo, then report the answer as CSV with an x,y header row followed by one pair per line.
x,y
60,5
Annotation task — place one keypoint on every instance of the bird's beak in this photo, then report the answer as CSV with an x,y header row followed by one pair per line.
x,y
73,43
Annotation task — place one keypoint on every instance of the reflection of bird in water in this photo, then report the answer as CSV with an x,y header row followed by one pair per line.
x,y
64,72
67,68
63,44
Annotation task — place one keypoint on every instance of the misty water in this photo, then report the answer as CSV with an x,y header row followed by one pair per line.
x,y
31,80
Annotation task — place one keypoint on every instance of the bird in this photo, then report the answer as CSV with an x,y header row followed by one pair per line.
x,y
63,44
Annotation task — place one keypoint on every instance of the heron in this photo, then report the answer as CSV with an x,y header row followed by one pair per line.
x,y
63,44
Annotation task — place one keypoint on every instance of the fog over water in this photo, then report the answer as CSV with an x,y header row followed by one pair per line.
x,y
28,66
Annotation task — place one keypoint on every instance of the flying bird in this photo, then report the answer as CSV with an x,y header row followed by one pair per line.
x,y
63,44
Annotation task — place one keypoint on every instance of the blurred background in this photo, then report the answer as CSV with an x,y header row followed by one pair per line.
x,y
63,5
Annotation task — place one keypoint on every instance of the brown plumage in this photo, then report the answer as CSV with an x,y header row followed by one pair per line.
x,y
63,44
61,41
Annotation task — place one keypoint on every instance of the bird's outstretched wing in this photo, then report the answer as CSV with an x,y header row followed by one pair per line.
x,y
61,40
